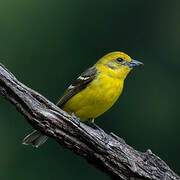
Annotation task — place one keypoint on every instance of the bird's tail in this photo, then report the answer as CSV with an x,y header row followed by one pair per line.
x,y
35,139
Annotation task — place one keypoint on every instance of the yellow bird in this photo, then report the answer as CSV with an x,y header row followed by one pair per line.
x,y
93,92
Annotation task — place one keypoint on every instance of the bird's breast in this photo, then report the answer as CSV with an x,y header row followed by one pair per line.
x,y
108,89
96,98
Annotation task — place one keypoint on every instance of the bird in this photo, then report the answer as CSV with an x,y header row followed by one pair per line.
x,y
93,92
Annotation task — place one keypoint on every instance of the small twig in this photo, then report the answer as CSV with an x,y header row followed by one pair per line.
x,y
117,159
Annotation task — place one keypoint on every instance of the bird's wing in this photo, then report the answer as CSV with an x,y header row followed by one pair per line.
x,y
79,84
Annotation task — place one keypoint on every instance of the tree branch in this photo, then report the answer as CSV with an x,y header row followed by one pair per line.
x,y
117,159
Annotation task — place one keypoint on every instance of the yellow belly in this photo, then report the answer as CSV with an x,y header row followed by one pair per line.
x,y
95,99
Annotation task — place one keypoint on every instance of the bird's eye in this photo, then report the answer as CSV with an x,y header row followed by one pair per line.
x,y
119,59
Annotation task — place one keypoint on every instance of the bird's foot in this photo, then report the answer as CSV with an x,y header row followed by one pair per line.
x,y
103,134
76,118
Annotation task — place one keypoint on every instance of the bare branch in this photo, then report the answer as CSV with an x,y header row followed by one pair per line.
x,y
117,159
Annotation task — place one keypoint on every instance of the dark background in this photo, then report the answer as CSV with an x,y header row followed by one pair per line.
x,y
47,44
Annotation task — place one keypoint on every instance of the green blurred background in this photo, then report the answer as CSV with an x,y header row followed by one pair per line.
x,y
47,44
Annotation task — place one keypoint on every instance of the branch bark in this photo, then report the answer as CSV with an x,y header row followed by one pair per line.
x,y
117,159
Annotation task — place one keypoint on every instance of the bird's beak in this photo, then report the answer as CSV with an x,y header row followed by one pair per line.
x,y
134,63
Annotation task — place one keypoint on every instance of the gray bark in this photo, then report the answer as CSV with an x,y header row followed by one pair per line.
x,y
117,159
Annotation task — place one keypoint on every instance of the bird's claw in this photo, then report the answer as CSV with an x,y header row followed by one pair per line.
x,y
76,118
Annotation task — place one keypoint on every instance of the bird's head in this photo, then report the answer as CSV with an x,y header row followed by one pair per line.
x,y
117,64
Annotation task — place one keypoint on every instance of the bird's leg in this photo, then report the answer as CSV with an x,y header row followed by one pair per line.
x,y
76,118
104,135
